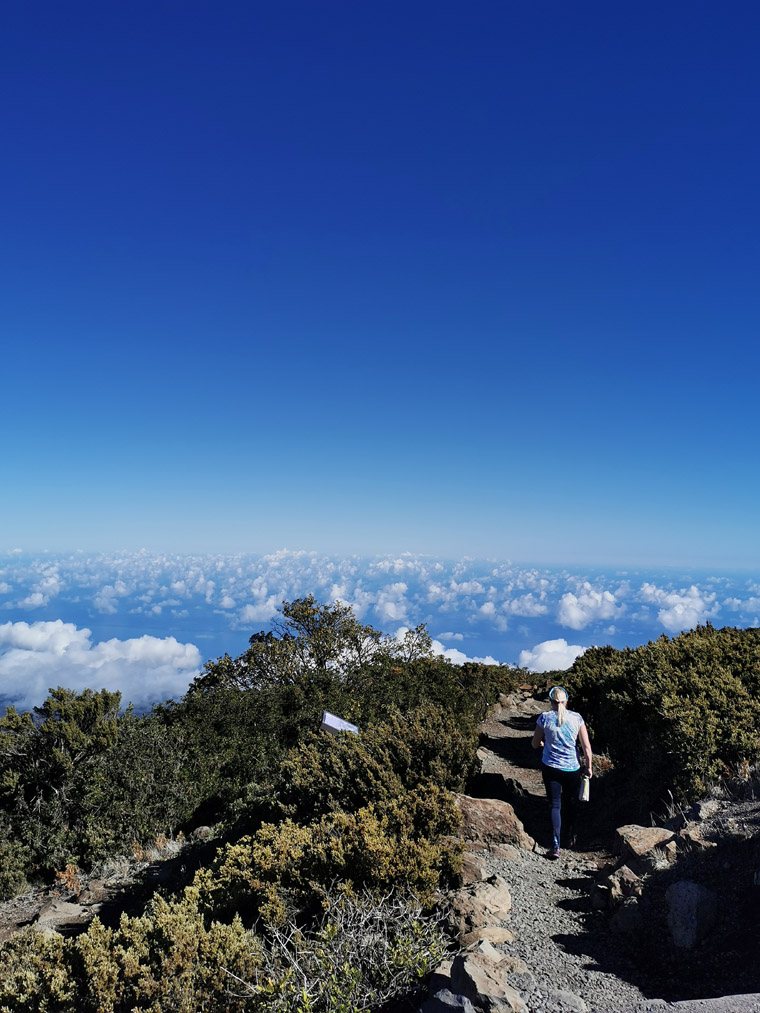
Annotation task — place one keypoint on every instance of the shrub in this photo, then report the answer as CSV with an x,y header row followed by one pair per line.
x,y
165,961
364,952
403,842
329,773
14,859
674,715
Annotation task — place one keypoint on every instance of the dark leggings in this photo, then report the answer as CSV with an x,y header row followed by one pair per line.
x,y
562,791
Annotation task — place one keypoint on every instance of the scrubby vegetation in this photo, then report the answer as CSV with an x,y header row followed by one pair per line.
x,y
317,828
675,715
320,894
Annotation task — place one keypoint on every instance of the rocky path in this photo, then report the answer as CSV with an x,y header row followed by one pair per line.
x,y
573,961
560,954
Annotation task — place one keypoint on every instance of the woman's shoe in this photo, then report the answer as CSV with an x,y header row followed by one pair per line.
x,y
554,853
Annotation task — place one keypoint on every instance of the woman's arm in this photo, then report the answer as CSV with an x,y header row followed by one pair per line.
x,y
586,747
538,737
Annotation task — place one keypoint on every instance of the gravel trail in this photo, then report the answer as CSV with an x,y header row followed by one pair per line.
x,y
567,947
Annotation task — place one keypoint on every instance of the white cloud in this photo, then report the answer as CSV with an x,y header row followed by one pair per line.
x,y
261,612
527,605
742,605
451,636
105,600
4,588
35,658
589,605
681,610
391,605
551,655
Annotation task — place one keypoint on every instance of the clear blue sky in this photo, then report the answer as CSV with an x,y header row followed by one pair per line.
x,y
372,277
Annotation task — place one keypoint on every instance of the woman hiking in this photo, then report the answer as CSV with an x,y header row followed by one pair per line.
x,y
558,732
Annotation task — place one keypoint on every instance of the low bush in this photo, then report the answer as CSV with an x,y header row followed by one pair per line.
x,y
364,952
328,773
674,715
404,842
165,961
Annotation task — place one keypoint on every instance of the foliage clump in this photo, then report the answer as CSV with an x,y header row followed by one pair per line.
x,y
674,715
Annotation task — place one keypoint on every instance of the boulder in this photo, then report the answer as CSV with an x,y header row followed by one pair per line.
x,y
621,883
633,841
478,905
60,915
201,834
692,910
484,982
692,833
444,1001
473,868
493,821
508,963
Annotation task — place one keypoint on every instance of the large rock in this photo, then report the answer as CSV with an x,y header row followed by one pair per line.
x,y
633,841
488,819
480,904
62,915
444,1001
614,888
484,982
486,948
692,910
473,868
693,834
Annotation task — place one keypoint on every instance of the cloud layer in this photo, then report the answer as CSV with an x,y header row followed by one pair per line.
x,y
147,619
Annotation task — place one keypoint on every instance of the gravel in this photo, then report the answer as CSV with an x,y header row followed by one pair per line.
x,y
570,953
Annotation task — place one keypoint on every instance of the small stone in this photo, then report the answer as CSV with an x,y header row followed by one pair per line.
x,y
568,999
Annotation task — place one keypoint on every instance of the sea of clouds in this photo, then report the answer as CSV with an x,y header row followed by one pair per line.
x,y
145,623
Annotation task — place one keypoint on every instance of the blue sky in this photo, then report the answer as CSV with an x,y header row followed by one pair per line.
x,y
367,278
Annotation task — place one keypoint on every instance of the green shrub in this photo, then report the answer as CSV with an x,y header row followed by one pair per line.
x,y
403,842
674,715
165,961
328,773
14,860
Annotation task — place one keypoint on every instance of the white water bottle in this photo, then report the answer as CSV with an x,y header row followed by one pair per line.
x,y
583,789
